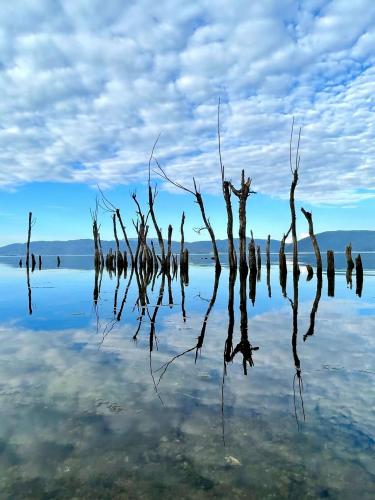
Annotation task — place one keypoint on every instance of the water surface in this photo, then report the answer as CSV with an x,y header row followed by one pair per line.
x,y
194,398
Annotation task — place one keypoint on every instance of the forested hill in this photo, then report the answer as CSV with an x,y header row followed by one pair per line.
x,y
362,241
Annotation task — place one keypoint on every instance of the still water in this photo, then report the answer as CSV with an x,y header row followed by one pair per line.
x,y
198,395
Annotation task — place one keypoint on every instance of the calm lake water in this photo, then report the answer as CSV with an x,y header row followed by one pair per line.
x,y
118,401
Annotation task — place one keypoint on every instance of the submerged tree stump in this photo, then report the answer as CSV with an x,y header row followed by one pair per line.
x,y
331,273
330,263
348,255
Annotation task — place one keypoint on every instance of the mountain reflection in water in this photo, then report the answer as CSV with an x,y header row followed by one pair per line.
x,y
124,386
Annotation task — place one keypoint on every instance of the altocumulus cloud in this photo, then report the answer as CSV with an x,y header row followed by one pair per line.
x,y
87,85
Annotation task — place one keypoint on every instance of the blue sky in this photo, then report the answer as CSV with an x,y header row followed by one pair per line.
x,y
88,85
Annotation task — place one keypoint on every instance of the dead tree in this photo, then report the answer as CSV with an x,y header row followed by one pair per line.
x,y
95,233
119,257
282,262
232,257
169,248
268,251
151,201
314,241
242,194
199,200
184,253
294,170
31,223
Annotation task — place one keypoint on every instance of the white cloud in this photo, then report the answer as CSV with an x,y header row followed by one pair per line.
x,y
84,95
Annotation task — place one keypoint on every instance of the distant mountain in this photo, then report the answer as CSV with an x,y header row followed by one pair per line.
x,y
362,241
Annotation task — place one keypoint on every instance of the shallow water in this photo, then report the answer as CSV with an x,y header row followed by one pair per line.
x,y
89,411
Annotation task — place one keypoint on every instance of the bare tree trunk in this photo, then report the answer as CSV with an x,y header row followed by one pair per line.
x,y
169,251
294,170
151,200
125,236
232,257
184,254
314,241
242,195
282,262
268,251
199,199
296,270
28,241
119,257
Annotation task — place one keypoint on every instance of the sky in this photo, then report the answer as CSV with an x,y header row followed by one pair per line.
x,y
87,86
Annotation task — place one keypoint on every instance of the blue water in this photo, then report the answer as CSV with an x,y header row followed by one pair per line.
x,y
88,411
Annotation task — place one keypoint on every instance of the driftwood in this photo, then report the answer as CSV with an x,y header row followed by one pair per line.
x,y
319,267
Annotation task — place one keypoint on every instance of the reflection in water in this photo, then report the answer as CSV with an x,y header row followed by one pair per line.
x,y
297,363
331,285
244,345
95,413
29,290
314,308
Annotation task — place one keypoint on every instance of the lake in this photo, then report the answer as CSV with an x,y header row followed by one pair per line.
x,y
198,394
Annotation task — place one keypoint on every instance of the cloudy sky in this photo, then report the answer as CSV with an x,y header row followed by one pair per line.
x,y
86,86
